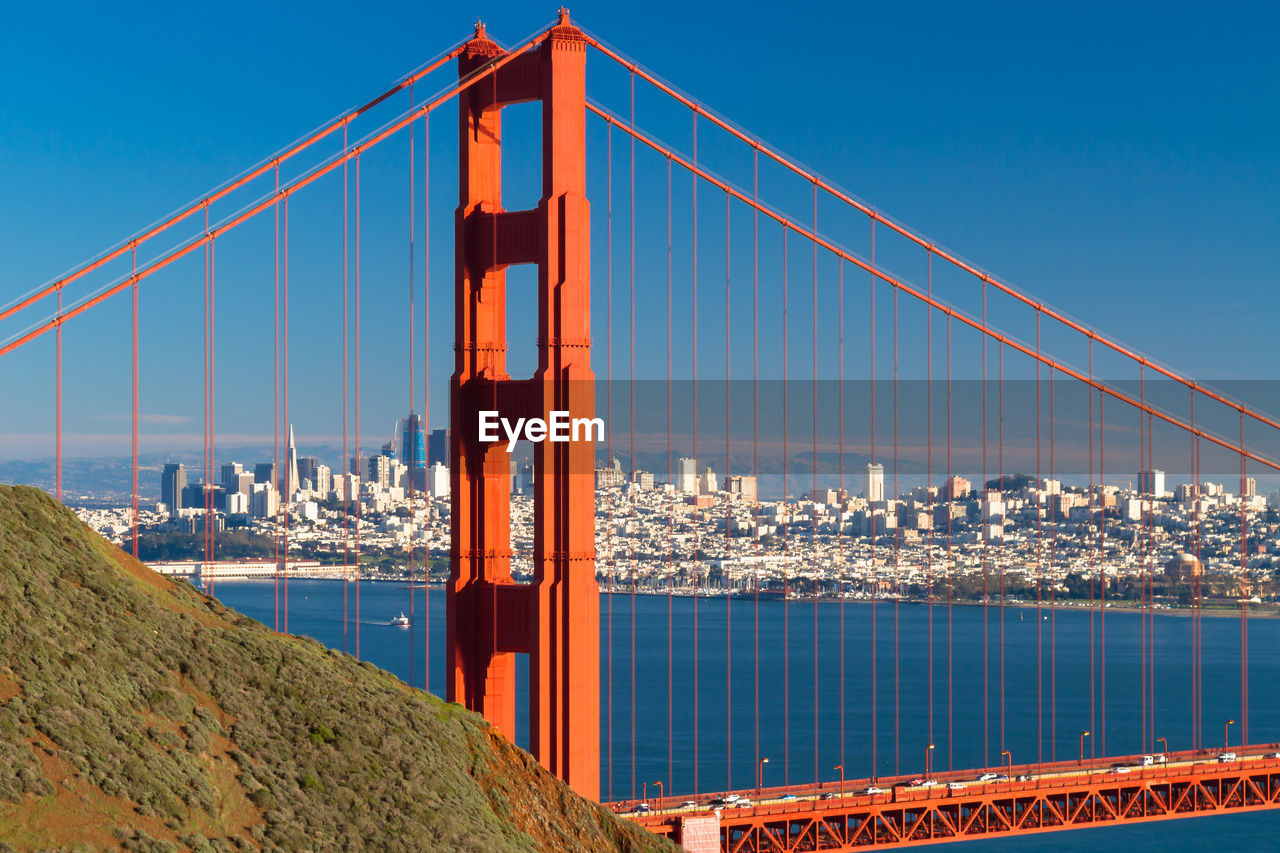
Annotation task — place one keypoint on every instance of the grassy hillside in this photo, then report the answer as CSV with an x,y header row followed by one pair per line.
x,y
137,714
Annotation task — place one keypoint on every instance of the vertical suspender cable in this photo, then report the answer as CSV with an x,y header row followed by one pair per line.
x,y
426,386
840,512
814,499
928,551
786,538
951,569
1004,744
1142,573
986,560
284,351
1244,602
1053,613
275,384
728,507
608,370
346,408
632,409
1093,678
671,524
413,442
697,567
133,467
875,575
755,431
57,440
1102,563
897,562
1039,558
359,508
1195,581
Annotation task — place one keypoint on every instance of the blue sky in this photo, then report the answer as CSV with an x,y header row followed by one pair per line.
x,y
1118,161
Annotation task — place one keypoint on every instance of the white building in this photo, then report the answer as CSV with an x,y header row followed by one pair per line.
x,y
438,481
1151,482
264,502
687,476
875,482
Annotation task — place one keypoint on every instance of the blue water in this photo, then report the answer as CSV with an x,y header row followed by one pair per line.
x,y
728,667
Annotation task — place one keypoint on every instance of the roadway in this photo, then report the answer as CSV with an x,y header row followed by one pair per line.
x,y
902,810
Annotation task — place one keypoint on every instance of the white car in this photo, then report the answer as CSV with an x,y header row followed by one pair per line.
x,y
1226,758
1120,768
730,799
688,804
872,789
955,786
987,777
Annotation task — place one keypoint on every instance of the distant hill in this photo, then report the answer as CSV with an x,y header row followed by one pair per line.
x,y
137,714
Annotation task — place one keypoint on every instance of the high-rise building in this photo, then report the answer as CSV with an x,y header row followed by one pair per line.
x,y
307,469
707,483
438,481
237,503
744,488
231,472
321,479
875,481
438,448
687,476
611,476
173,480
244,483
291,469
413,442
1151,482
956,488
1250,487
264,502
379,470
265,472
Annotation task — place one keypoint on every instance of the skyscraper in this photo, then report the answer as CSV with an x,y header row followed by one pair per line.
x,y
413,442
875,481
687,476
172,481
291,470
1151,482
231,476
439,448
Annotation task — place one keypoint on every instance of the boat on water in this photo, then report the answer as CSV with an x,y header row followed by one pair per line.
x,y
401,621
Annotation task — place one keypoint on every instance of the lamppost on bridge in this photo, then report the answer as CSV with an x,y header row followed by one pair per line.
x,y
658,782
1225,739
1083,735
644,798
760,776
1009,758
1166,745
928,755
840,767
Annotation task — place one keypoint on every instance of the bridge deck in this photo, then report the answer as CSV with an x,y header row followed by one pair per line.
x,y
1024,799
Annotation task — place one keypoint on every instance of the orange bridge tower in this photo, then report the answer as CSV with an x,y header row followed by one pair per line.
x,y
491,618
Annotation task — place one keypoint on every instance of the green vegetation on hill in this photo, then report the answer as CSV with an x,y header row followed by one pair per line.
x,y
137,714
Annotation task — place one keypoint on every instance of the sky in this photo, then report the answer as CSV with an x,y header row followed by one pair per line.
x,y
1117,161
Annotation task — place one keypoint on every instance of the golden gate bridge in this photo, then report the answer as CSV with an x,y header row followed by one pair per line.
x,y
798,274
